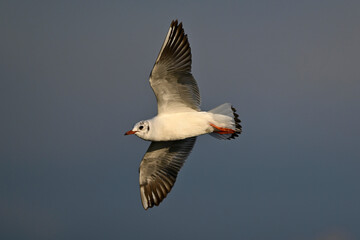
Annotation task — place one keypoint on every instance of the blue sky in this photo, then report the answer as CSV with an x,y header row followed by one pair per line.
x,y
74,78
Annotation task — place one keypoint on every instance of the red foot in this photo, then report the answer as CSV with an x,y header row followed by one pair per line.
x,y
221,130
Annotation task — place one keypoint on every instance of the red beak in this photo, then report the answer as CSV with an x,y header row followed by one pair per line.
x,y
130,132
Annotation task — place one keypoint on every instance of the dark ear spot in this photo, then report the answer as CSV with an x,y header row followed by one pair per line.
x,y
148,128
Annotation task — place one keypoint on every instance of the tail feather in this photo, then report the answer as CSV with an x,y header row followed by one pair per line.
x,y
228,110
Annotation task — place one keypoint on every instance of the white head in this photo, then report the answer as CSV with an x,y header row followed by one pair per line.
x,y
140,129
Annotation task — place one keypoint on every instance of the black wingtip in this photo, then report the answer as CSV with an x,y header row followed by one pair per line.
x,y
174,22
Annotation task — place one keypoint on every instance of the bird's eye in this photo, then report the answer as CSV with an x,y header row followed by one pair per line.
x,y
141,127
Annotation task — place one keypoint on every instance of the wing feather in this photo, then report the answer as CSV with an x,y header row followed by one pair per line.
x,y
171,80
159,169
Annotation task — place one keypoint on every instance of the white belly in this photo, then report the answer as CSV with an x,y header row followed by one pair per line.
x,y
167,127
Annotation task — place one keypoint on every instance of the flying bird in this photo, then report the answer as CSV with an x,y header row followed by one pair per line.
x,y
179,121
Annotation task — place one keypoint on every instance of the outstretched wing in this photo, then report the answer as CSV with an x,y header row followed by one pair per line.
x,y
159,169
171,80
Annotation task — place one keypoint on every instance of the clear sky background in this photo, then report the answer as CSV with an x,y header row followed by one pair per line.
x,y
74,78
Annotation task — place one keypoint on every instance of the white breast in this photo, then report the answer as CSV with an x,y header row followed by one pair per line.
x,y
176,126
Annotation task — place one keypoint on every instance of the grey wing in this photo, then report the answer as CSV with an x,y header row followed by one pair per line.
x,y
171,80
159,169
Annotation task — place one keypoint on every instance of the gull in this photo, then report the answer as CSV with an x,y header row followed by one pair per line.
x,y
179,121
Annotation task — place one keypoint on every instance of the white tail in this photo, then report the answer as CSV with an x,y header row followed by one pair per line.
x,y
229,119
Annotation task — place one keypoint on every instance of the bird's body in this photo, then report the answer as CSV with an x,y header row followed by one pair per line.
x,y
179,121
177,126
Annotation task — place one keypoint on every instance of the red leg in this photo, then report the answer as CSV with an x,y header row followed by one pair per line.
x,y
221,130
